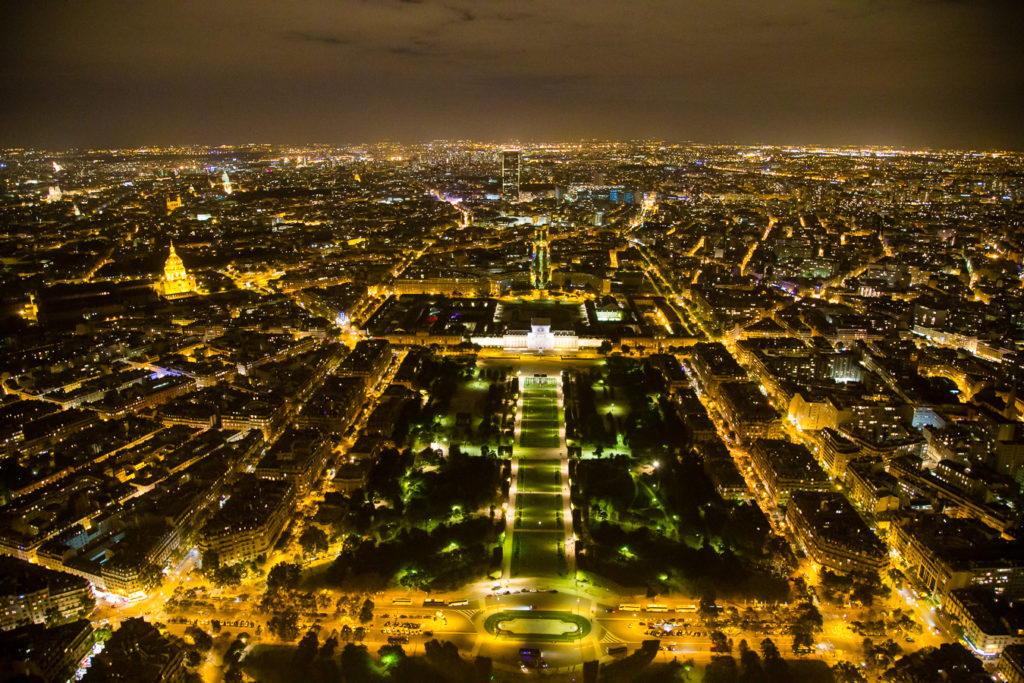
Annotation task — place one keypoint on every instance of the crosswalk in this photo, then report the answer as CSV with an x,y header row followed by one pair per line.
x,y
611,638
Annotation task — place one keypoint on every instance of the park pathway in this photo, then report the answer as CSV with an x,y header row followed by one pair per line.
x,y
538,532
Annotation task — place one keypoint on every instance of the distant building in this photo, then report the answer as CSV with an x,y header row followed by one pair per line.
x,y
943,554
747,411
540,338
369,360
138,652
53,654
299,456
30,594
176,282
511,159
989,625
832,532
250,521
721,469
872,488
785,467
1011,664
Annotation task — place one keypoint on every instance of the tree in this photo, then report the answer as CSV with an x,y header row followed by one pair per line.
x,y
775,668
722,669
285,625
306,650
235,650
200,638
192,657
87,604
228,575
366,612
806,621
391,656
346,633
356,664
53,617
802,640
769,650
751,670
847,672
313,540
283,576
720,642
887,651
327,649
210,561
950,662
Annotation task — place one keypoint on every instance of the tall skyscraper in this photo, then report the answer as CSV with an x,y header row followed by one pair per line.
x,y
510,162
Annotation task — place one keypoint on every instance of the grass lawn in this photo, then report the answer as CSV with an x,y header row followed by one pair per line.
x,y
540,476
537,553
538,512
540,417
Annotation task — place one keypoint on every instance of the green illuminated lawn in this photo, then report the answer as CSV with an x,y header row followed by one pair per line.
x,y
538,512
541,476
537,553
540,417
538,625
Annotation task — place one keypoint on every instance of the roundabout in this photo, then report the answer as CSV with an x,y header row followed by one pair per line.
x,y
538,625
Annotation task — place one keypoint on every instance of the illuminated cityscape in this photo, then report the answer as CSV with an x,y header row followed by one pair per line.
x,y
457,342
668,400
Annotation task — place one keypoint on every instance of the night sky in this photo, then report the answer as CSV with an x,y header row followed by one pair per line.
x,y
103,73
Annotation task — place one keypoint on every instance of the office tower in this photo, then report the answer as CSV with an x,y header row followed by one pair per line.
x,y
510,162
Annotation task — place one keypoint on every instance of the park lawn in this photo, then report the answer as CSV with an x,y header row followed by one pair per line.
x,y
538,512
540,417
537,553
540,476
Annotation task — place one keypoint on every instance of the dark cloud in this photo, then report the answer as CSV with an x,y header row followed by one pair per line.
x,y
463,14
311,38
941,73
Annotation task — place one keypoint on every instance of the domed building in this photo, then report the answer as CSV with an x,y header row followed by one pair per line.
x,y
176,282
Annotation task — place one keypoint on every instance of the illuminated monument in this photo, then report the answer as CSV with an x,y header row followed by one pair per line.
x,y
176,281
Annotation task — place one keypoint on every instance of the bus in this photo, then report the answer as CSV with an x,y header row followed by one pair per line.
x,y
629,607
656,608
402,601
618,650
458,603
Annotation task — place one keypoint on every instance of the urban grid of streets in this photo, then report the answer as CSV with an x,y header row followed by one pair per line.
x,y
539,572
546,584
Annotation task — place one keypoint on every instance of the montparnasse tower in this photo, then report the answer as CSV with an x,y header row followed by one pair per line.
x,y
176,281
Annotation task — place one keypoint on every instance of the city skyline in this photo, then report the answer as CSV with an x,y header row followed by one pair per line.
x,y
942,75
455,411
456,341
